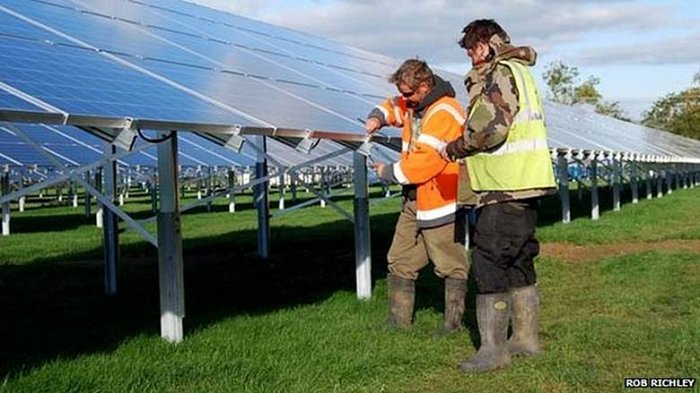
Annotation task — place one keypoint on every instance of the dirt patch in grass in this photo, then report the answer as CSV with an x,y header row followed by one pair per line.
x,y
575,253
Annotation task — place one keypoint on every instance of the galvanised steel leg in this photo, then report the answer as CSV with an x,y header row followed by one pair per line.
x,y
260,196
232,193
595,204
634,182
111,226
170,265
616,179
563,174
363,254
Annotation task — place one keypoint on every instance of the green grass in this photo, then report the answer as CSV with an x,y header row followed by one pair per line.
x,y
293,324
672,217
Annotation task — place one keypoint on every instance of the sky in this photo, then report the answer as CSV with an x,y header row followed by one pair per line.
x,y
640,50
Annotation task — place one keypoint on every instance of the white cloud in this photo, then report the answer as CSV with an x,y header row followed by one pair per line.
x,y
602,34
675,50
243,7
403,28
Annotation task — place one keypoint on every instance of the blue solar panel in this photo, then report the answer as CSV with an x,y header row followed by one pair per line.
x,y
276,39
82,81
174,60
10,101
249,95
114,35
16,151
211,153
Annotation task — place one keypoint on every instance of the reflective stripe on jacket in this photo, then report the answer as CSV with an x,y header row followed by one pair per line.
x,y
421,163
523,161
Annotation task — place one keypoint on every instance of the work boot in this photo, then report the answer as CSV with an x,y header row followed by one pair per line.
x,y
455,292
402,293
492,314
525,306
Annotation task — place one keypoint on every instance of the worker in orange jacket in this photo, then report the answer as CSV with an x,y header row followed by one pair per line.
x,y
430,116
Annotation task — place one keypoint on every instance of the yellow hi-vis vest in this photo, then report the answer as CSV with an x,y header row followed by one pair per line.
x,y
523,161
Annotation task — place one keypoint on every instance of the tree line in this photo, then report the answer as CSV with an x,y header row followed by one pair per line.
x,y
677,112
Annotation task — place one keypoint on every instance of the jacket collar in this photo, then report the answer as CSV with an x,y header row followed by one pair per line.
x,y
441,88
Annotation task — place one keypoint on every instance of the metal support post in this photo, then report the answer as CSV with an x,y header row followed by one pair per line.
x,y
660,183
99,214
232,192
616,179
5,188
293,186
322,184
282,190
562,166
363,255
595,204
23,199
154,194
170,266
209,187
111,225
260,197
88,197
74,194
634,182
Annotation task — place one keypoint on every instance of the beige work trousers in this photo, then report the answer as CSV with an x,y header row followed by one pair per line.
x,y
411,249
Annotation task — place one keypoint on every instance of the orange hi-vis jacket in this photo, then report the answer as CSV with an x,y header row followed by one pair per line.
x,y
436,121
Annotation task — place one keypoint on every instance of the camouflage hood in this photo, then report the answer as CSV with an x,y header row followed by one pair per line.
x,y
475,79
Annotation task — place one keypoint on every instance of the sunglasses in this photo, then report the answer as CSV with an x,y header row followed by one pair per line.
x,y
407,94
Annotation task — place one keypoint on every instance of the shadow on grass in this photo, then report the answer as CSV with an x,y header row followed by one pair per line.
x,y
550,207
57,309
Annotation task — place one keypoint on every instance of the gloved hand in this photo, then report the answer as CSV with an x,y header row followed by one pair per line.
x,y
372,125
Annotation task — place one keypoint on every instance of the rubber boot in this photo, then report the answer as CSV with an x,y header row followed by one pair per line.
x,y
492,315
402,293
455,293
525,307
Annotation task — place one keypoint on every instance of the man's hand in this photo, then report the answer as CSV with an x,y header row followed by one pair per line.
x,y
372,125
443,153
378,168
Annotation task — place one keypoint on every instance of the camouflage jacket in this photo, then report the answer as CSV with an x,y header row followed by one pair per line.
x,y
494,85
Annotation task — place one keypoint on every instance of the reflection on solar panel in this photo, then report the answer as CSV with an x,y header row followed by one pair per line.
x,y
174,60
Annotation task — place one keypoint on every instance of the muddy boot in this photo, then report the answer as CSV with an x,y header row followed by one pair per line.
x,y
455,292
525,307
402,293
492,315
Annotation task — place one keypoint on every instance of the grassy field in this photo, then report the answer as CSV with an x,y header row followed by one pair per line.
x,y
621,298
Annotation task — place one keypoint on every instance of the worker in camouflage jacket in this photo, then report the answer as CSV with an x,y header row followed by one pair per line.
x,y
508,167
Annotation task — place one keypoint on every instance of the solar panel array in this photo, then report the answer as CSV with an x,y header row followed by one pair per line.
x,y
178,61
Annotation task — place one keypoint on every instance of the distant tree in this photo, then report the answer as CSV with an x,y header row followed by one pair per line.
x,y
678,113
562,79
587,93
612,109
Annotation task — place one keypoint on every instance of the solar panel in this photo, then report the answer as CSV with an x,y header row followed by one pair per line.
x,y
8,100
16,151
174,60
